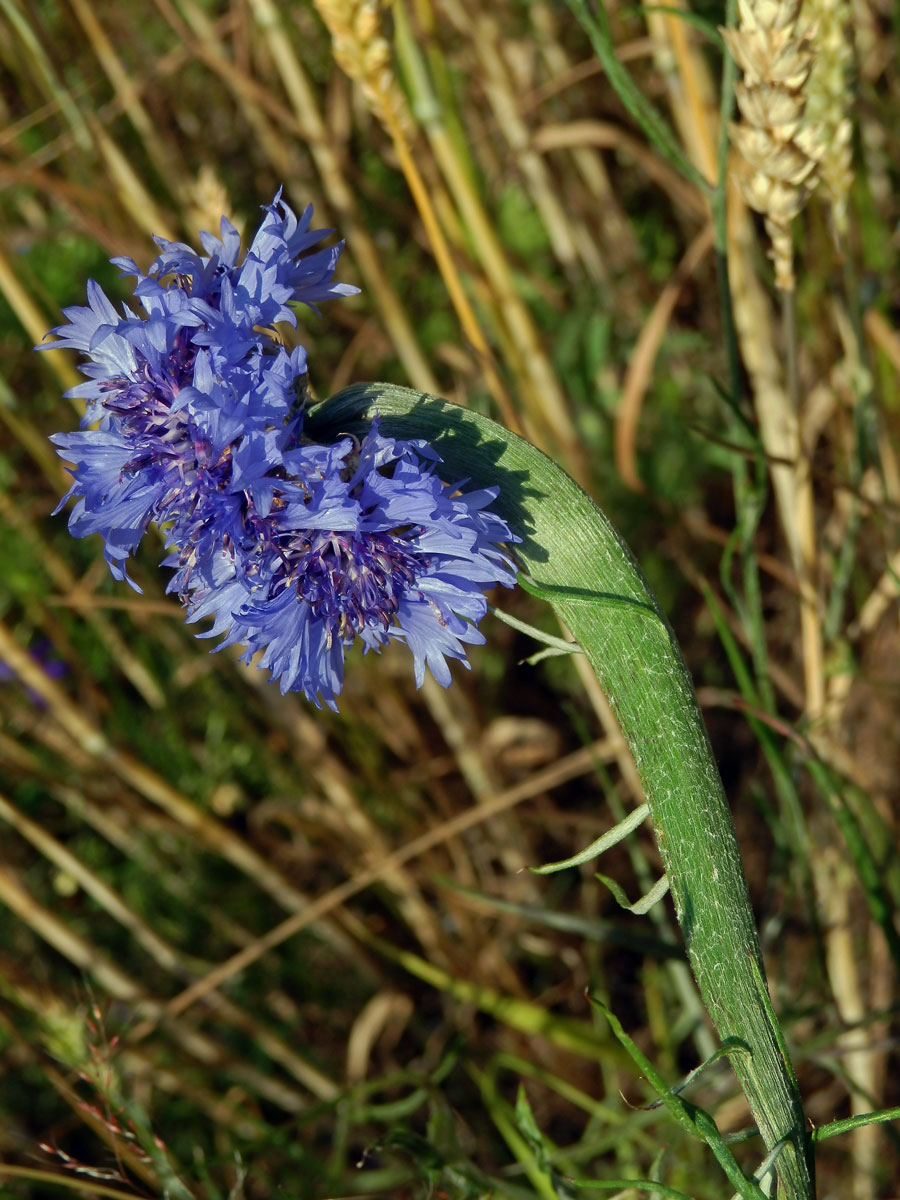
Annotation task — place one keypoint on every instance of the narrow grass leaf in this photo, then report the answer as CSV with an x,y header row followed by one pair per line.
x,y
612,837
596,26
645,903
765,1167
732,1046
596,928
555,644
834,1128
870,873
519,1146
707,28
639,1185
696,1121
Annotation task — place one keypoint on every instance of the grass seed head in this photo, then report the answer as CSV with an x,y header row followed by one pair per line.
x,y
779,158
364,54
829,126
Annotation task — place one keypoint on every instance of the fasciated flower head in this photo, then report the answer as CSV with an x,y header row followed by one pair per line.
x,y
377,549
296,550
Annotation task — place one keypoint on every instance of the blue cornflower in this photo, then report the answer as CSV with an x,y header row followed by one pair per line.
x,y
375,546
293,548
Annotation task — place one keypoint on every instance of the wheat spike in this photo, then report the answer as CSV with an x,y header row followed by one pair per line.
x,y
774,138
827,102
364,54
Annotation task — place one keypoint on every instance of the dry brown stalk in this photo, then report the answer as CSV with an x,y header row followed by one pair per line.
x,y
617,238
85,955
63,578
834,881
169,957
194,820
640,365
459,726
602,135
503,95
773,139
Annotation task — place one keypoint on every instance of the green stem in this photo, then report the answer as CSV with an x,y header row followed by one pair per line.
x,y
569,548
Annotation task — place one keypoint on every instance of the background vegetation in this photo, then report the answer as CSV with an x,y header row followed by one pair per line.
x,y
249,948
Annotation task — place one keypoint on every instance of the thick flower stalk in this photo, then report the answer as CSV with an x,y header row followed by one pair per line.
x,y
194,422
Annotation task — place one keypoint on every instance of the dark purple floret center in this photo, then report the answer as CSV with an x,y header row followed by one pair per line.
x,y
145,407
353,580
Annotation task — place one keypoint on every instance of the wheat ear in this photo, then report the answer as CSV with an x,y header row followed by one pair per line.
x,y
828,94
773,138
364,54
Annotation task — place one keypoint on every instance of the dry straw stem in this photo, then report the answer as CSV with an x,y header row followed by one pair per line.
x,y
271,124
542,394
885,593
168,957
121,986
38,1003
616,234
773,139
604,135
547,414
62,577
127,92
135,198
364,54
147,783
43,72
343,811
459,726
33,321
504,101
640,364
580,762
835,879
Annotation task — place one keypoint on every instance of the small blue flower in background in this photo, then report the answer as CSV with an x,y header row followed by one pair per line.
x,y
194,422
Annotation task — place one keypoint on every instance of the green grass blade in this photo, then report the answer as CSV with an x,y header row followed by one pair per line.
x,y
834,1128
604,842
639,1185
596,26
644,903
696,1121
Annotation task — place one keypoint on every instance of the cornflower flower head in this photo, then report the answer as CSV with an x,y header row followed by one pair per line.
x,y
362,541
178,387
295,549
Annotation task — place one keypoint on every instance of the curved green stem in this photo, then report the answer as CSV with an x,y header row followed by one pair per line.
x,y
570,550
